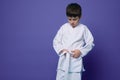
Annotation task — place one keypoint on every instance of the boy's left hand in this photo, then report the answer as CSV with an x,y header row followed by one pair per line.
x,y
76,53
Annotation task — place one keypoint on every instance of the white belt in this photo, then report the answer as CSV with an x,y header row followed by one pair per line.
x,y
66,65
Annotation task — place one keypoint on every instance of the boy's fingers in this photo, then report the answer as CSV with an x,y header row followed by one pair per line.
x,y
72,51
73,55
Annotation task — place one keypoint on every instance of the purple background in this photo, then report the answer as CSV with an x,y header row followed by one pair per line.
x,y
27,28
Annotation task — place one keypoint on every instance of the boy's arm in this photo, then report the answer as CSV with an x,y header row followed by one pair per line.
x,y
88,38
57,42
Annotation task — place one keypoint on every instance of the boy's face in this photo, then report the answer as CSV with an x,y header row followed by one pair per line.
x,y
73,21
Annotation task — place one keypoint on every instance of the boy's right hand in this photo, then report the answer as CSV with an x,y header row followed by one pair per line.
x,y
64,51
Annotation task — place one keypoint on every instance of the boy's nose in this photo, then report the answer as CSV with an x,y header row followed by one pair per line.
x,y
72,22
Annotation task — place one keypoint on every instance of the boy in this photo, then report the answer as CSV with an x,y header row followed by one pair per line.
x,y
72,42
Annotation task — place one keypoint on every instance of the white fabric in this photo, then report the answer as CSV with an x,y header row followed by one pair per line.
x,y
72,38
70,76
74,76
66,64
64,73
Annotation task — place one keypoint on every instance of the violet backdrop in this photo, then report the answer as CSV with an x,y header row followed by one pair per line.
x,y
27,29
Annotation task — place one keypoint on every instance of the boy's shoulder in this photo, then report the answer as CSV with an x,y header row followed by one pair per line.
x,y
82,25
65,25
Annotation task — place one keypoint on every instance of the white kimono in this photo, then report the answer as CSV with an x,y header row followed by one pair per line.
x,y
71,38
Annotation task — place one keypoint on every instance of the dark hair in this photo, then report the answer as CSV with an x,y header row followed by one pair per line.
x,y
73,10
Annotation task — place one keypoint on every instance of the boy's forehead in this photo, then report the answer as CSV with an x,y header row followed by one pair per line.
x,y
73,17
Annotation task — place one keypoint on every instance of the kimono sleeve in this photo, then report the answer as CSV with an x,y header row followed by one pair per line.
x,y
88,39
57,41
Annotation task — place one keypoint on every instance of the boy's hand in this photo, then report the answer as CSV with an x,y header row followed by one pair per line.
x,y
64,50
76,53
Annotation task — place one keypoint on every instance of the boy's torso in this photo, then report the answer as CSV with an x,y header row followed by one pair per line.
x,y
73,38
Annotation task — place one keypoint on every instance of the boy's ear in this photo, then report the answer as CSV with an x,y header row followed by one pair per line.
x,y
80,17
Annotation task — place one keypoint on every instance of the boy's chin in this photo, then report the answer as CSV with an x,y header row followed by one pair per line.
x,y
73,25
